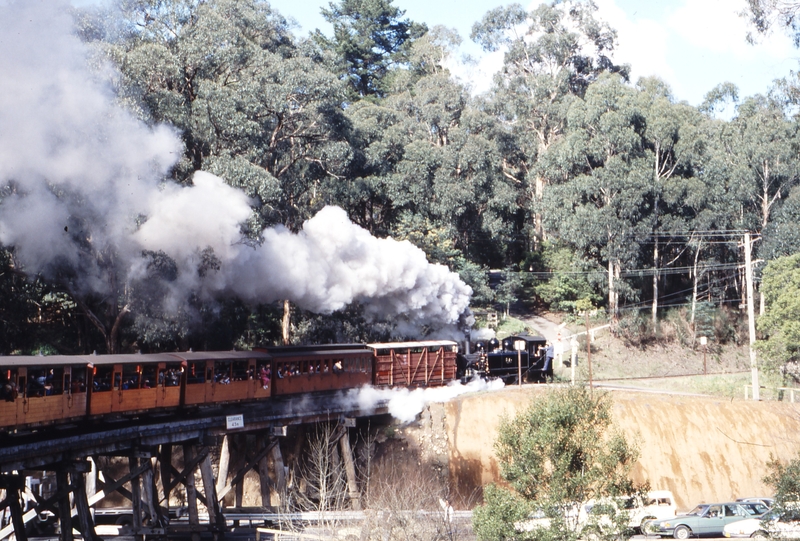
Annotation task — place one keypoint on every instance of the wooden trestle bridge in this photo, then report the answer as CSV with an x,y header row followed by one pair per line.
x,y
146,443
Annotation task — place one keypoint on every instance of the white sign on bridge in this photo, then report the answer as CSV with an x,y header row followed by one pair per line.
x,y
234,421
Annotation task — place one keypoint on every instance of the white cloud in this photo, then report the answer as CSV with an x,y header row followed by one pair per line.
x,y
715,26
641,43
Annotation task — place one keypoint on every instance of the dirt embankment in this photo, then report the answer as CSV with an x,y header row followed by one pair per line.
x,y
701,448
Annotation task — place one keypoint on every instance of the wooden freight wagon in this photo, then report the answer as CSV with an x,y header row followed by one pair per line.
x,y
415,364
224,376
39,389
303,369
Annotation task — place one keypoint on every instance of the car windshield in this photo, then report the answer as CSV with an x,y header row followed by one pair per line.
x,y
698,510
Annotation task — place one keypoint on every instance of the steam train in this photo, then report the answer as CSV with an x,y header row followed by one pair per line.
x,y
521,356
39,390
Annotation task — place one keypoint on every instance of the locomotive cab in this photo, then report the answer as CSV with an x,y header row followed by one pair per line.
x,y
516,355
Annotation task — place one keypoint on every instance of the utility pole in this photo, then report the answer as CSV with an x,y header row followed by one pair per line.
x,y
751,316
589,350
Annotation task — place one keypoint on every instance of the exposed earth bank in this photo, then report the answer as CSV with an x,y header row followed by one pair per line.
x,y
701,448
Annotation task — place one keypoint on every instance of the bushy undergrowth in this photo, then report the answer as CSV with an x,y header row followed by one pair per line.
x,y
720,325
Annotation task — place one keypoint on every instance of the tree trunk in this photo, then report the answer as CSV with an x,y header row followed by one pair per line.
x,y
612,291
655,284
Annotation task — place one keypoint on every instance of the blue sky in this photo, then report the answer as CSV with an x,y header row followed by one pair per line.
x,y
692,44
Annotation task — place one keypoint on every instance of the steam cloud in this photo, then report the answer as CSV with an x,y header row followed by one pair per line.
x,y
78,170
405,404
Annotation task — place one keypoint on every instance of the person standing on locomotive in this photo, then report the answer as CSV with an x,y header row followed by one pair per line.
x,y
549,354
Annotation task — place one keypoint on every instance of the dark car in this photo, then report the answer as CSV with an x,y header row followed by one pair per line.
x,y
706,520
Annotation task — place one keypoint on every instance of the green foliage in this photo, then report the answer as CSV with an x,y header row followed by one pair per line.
x,y
761,144
784,478
636,329
251,105
369,37
439,245
509,326
568,282
561,451
780,323
494,520
781,237
506,291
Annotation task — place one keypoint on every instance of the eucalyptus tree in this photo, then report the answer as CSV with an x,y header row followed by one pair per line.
x,y
761,146
604,178
552,54
251,104
781,237
673,143
430,160
764,15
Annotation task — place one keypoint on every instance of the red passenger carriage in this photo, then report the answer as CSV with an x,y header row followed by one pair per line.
x,y
37,389
224,376
303,369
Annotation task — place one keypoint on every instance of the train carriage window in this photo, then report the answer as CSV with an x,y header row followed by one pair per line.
x,y
131,375
8,386
21,385
240,371
102,378
36,382
222,372
172,374
196,373
54,381
117,381
149,376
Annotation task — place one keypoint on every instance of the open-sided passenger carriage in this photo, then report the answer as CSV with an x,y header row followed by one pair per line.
x,y
37,389
302,369
134,382
223,376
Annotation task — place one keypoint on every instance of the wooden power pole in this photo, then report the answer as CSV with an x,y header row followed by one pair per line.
x,y
751,316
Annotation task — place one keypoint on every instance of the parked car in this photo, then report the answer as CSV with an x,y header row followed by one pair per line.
x,y
640,509
706,520
769,502
540,519
784,525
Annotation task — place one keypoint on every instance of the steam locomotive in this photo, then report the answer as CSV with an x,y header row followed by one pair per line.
x,y
40,390
521,356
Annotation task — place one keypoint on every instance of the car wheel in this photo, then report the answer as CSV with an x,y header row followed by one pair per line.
x,y
682,532
591,534
760,534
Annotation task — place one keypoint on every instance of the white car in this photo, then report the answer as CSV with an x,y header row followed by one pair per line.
x,y
538,520
785,526
655,505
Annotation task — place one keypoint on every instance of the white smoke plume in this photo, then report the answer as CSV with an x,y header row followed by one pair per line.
x,y
482,334
76,170
405,404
